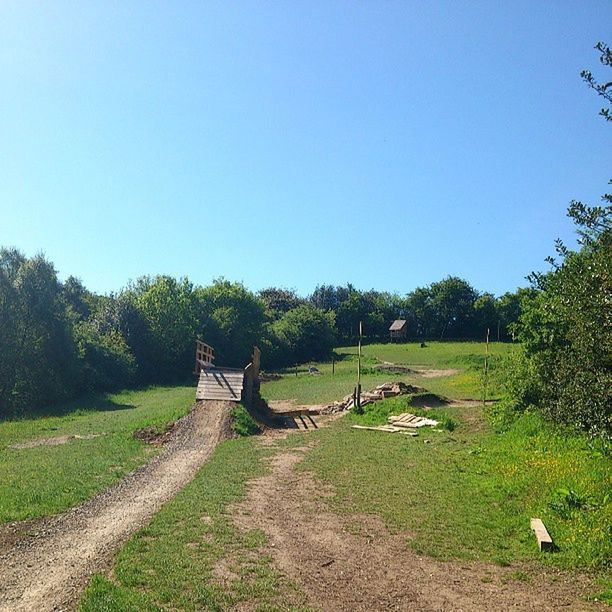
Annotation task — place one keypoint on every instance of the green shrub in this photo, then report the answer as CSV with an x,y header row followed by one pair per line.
x,y
243,423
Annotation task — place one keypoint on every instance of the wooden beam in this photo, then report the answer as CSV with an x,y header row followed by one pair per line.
x,y
545,542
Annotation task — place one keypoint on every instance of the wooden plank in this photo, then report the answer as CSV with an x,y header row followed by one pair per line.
x,y
545,542
386,429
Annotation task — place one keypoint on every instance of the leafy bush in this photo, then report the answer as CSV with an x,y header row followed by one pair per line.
x,y
304,334
243,423
565,369
106,361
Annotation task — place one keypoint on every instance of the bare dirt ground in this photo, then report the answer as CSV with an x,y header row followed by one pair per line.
x,y
424,371
354,563
44,565
56,441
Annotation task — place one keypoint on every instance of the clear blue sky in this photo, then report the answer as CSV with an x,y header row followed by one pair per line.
x,y
387,144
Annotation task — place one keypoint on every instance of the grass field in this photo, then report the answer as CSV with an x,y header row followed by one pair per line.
x,y
465,492
470,493
44,480
468,357
174,563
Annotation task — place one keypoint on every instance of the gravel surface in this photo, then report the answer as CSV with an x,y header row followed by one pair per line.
x,y
47,567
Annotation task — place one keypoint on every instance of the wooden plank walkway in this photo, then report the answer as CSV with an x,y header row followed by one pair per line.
x,y
220,384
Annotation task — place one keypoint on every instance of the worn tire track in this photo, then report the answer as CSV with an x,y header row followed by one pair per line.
x,y
50,570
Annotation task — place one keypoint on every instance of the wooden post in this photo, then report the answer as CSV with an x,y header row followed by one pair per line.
x,y
256,361
247,392
486,371
359,367
296,370
333,363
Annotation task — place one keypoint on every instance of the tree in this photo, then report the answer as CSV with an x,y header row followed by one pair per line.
x,y
305,334
420,313
485,316
79,301
232,320
452,301
279,301
566,329
603,89
39,360
168,306
566,332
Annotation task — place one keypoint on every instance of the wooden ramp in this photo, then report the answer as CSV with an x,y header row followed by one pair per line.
x,y
220,384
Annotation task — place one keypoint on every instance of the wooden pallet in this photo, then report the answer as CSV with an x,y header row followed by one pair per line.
x,y
410,420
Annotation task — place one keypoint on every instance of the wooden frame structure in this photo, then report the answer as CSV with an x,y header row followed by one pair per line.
x,y
398,330
221,383
205,355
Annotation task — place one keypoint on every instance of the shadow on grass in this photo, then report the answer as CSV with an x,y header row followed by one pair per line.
x,y
266,418
99,402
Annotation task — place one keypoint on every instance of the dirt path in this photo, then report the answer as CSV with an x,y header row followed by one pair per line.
x,y
354,563
49,570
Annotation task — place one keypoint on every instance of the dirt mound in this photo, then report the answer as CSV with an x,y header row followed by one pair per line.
x,y
428,400
48,568
152,435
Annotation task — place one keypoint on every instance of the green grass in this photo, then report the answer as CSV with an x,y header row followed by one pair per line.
x,y
468,357
435,354
45,480
470,493
170,565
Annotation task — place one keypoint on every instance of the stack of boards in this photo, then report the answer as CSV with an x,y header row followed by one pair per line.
x,y
402,424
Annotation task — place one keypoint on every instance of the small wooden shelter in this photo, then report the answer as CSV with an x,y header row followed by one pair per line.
x,y
398,330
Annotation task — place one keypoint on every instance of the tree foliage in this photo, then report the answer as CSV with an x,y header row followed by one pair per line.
x,y
305,334
566,327
59,339
566,332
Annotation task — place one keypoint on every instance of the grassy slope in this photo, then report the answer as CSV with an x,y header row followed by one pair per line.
x,y
45,480
453,496
470,493
171,563
465,356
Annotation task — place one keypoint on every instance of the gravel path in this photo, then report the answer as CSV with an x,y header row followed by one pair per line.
x,y
48,570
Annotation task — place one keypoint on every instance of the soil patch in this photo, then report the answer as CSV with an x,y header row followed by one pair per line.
x,y
353,563
153,436
56,441
391,367
433,373
46,566
422,371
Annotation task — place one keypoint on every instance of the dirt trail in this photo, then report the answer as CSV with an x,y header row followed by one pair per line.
x,y
354,563
49,570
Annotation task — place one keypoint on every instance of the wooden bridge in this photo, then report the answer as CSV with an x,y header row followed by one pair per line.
x,y
226,384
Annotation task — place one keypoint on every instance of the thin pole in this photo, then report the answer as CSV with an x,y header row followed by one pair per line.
x,y
359,366
486,371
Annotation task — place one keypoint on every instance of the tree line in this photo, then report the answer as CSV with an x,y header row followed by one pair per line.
x,y
59,340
